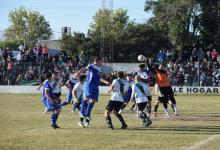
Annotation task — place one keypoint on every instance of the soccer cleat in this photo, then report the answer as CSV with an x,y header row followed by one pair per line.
x,y
144,125
149,122
88,125
111,127
46,112
55,126
81,124
124,126
167,116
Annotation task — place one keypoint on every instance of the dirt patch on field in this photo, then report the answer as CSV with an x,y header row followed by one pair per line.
x,y
173,117
197,118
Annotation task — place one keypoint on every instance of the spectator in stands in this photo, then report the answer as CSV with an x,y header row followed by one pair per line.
x,y
200,54
161,56
45,53
9,67
194,55
208,56
39,52
214,55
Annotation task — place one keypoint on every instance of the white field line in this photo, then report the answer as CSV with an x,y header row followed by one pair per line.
x,y
202,143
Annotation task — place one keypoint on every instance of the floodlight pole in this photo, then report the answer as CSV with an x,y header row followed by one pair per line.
x,y
106,43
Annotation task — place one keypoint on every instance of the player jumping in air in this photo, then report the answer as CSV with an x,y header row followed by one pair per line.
x,y
51,101
139,90
118,88
70,85
91,89
78,93
164,86
56,84
145,78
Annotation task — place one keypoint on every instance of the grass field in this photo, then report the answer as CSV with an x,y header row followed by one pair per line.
x,y
24,126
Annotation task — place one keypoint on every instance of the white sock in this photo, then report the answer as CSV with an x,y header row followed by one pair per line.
x,y
166,112
174,106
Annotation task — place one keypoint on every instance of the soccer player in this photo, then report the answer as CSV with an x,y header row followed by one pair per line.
x,y
145,78
139,90
43,101
164,86
51,101
70,85
78,93
56,84
91,89
159,100
118,88
127,97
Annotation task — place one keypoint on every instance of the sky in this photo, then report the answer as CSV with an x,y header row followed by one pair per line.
x,y
76,14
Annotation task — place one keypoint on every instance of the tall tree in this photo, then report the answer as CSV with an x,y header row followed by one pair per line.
x,y
210,22
75,44
28,25
178,18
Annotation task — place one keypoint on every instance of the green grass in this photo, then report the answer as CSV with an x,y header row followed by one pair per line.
x,y
23,126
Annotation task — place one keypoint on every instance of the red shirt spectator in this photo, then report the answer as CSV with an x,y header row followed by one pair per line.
x,y
214,55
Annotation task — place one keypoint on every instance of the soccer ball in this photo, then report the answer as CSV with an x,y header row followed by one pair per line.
x,y
141,58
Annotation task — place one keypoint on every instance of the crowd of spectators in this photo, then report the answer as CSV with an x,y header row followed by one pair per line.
x,y
195,68
28,65
186,68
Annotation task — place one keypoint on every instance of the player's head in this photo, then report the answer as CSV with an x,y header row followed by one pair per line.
x,y
74,74
137,78
141,67
82,78
98,60
48,75
161,67
129,77
120,75
55,76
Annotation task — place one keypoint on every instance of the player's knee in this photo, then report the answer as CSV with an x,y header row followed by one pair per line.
x,y
107,113
58,111
92,101
141,115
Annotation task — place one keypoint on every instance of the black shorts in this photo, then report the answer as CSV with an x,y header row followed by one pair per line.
x,y
149,98
166,91
57,94
114,105
162,100
141,106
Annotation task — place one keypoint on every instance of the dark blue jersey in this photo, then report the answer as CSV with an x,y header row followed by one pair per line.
x,y
93,74
71,83
46,85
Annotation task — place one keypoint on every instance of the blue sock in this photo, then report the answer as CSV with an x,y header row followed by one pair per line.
x,y
56,117
53,119
89,109
83,107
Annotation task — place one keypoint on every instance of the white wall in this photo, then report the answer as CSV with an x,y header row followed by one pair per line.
x,y
33,89
128,67
104,90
